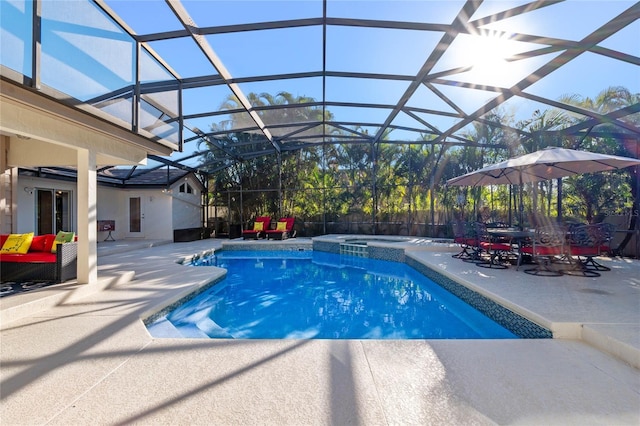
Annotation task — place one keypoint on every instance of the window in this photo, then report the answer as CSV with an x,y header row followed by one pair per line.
x,y
185,187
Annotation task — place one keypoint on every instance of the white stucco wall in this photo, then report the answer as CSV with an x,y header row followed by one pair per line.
x,y
26,199
187,212
113,204
157,222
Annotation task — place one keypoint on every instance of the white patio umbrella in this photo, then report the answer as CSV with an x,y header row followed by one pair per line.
x,y
548,163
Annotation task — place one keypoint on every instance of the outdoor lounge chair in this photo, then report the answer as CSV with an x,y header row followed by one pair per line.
x,y
283,230
260,226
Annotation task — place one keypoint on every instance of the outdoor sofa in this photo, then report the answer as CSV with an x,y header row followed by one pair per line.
x,y
39,263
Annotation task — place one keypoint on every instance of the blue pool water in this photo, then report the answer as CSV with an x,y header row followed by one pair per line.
x,y
318,295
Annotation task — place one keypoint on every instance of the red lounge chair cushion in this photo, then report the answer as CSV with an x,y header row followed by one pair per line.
x,y
261,224
289,221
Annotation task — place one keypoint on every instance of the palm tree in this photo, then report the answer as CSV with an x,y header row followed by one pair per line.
x,y
610,139
536,136
254,163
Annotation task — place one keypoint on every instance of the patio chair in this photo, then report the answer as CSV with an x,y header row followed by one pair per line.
x,y
284,229
607,231
547,247
464,234
473,242
585,243
498,250
260,226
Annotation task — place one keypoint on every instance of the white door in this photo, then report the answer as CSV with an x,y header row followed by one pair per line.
x,y
135,227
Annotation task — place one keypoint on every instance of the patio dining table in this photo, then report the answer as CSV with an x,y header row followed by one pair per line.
x,y
515,237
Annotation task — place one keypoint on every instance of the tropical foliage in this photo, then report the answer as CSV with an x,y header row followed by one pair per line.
x,y
400,188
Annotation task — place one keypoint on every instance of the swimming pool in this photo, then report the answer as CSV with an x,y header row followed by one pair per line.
x,y
318,295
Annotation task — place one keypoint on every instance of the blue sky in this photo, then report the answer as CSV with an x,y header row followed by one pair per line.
x,y
84,55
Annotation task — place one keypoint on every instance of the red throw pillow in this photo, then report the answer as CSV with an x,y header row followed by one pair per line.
x,y
38,243
50,238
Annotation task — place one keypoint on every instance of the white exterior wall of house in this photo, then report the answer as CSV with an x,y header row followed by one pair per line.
x,y
26,200
187,211
113,204
162,211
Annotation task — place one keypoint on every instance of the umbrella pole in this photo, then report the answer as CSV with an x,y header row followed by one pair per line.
x,y
511,205
559,199
521,203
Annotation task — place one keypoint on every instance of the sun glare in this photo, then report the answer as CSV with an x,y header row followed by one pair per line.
x,y
487,54
488,50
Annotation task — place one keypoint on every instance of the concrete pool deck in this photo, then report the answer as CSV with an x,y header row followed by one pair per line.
x,y
73,355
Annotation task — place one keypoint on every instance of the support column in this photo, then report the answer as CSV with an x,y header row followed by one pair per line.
x,y
87,216
8,184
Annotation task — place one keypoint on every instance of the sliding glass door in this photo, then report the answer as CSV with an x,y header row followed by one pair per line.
x,y
53,211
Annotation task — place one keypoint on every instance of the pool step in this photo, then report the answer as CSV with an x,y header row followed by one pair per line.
x,y
163,328
213,330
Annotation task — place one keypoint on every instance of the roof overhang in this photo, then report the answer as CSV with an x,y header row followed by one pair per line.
x,y
45,132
